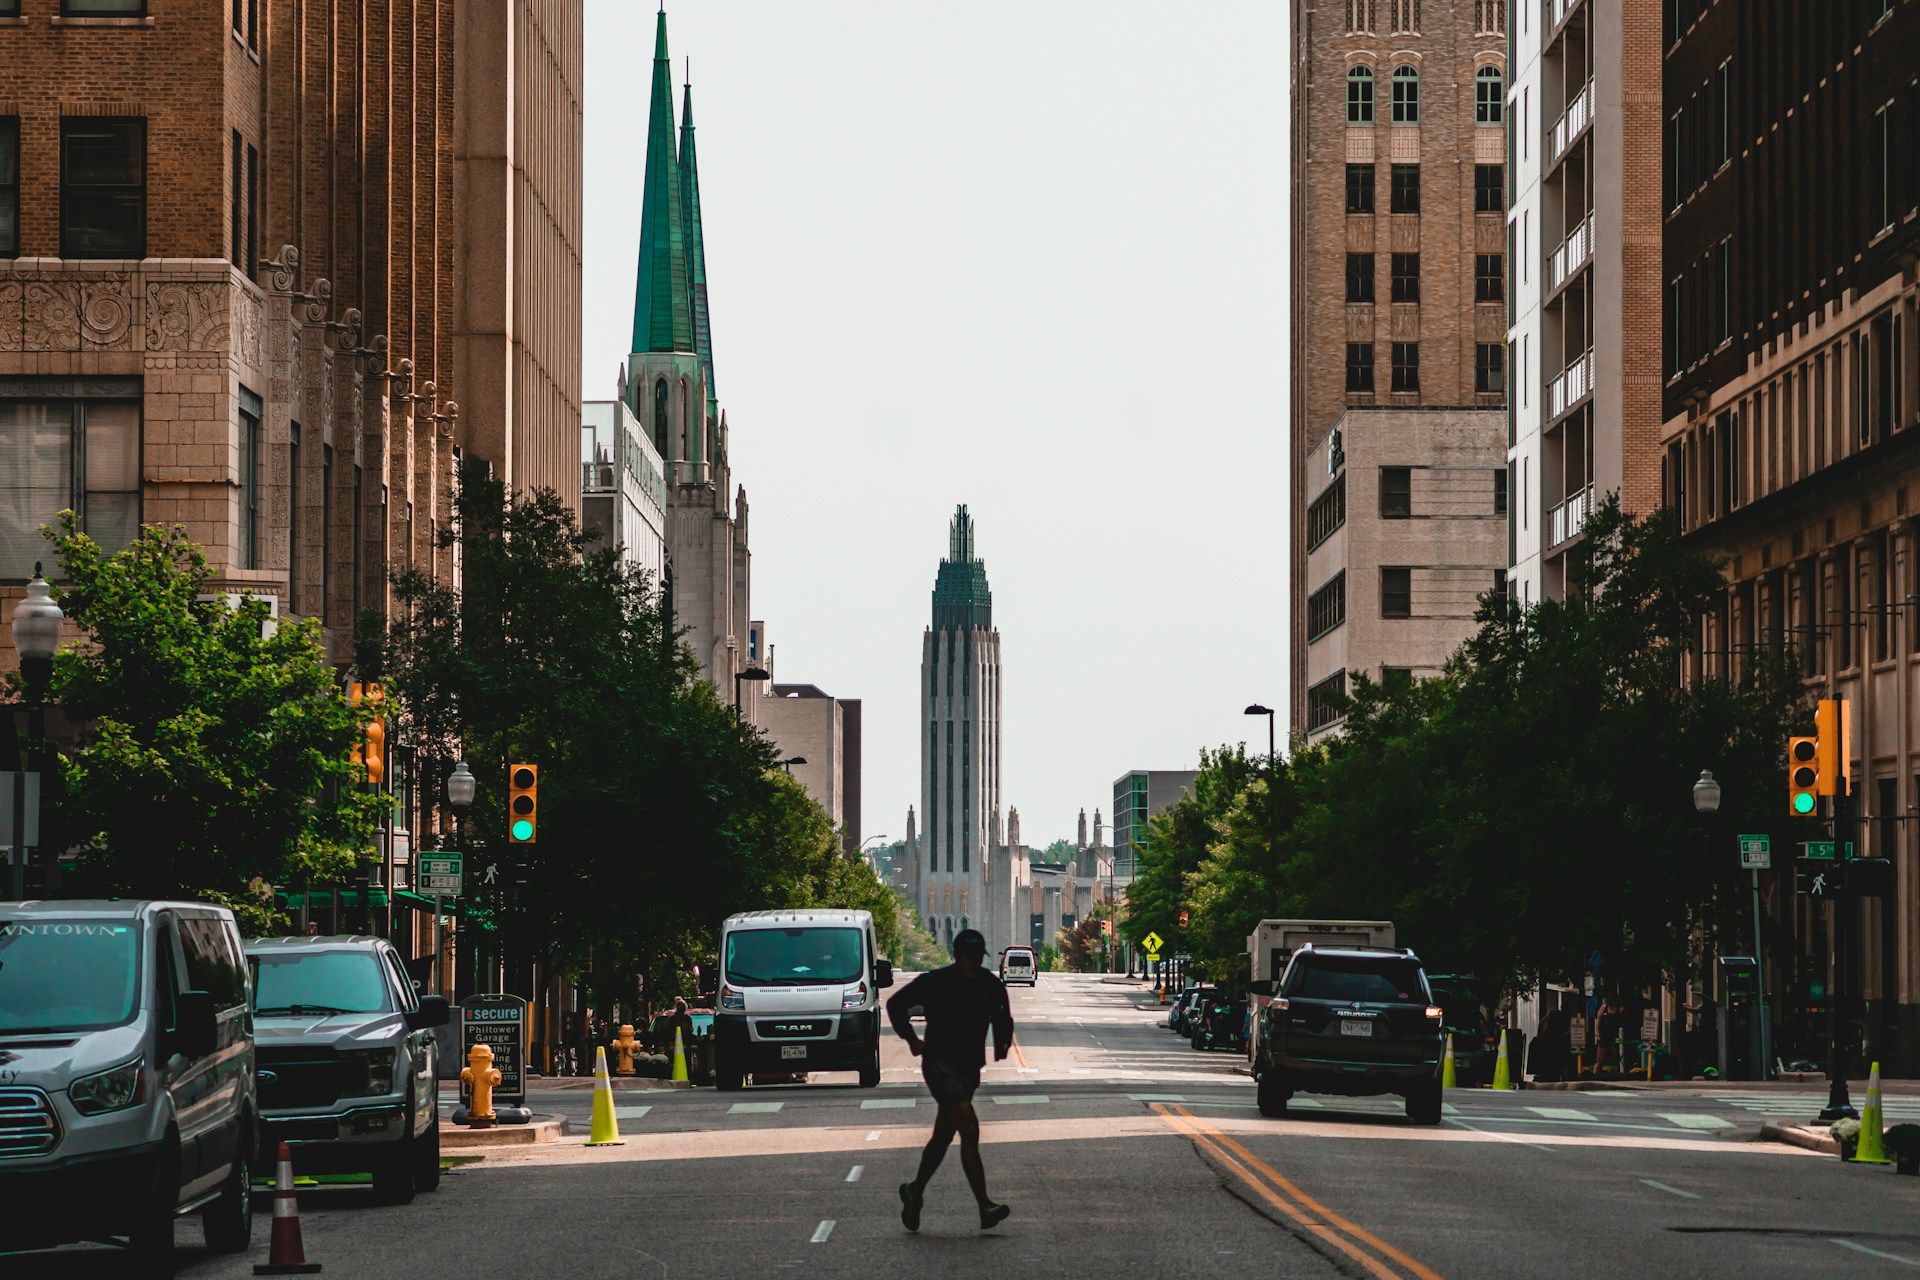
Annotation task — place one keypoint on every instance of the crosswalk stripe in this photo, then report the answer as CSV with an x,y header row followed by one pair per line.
x,y
1016,1099
1559,1113
1687,1121
1307,1104
631,1113
1155,1097
754,1108
882,1104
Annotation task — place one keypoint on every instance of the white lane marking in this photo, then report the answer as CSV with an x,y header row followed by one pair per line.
x,y
853,1174
1027,1071
754,1108
630,1113
1448,1109
1560,1113
1156,1097
1016,1099
883,1104
1661,1186
1307,1104
1686,1121
1493,1133
821,1232
1875,1253
874,1136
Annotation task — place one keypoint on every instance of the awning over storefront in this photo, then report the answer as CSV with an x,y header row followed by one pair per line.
x,y
325,898
452,906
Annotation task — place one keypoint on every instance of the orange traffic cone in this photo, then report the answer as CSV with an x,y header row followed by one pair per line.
x,y
287,1256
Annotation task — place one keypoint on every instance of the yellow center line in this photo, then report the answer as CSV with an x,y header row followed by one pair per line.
x,y
1305,1201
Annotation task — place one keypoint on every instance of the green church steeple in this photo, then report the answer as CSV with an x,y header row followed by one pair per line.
x,y
696,250
663,303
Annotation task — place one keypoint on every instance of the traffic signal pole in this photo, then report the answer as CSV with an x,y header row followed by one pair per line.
x,y
1839,1104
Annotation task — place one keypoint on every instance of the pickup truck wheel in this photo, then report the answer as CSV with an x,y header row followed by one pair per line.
x,y
393,1176
151,1235
228,1221
426,1152
1272,1094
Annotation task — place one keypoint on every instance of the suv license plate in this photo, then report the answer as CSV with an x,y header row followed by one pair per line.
x,y
1355,1027
793,1051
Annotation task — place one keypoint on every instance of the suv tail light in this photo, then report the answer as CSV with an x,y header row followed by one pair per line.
x,y
1435,1013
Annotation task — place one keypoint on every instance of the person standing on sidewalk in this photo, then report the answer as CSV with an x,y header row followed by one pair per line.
x,y
962,1002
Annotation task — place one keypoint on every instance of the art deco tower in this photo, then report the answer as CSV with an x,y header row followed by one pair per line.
x,y
960,752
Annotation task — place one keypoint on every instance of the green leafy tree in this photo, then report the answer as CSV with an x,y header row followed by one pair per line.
x,y
1176,843
213,758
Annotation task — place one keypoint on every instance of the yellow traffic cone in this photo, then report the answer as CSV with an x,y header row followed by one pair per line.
x,y
605,1131
679,1057
1872,1148
1502,1072
1447,1073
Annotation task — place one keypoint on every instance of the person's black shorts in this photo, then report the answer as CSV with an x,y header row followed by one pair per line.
x,y
949,1083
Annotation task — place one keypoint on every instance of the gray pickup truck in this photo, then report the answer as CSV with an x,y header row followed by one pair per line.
x,y
346,1061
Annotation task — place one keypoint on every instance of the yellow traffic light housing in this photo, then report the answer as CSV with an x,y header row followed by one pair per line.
x,y
1803,776
1833,727
371,751
523,803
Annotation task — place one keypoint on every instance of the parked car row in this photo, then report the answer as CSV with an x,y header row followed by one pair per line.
x,y
151,1063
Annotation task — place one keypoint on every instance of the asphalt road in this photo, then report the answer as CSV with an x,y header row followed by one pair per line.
x,y
1125,1153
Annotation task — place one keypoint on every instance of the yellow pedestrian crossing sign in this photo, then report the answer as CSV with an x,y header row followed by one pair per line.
x,y
1152,941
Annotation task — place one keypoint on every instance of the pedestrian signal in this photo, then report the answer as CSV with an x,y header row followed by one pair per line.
x,y
1803,776
523,807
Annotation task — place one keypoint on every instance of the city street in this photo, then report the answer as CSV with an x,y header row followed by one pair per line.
x,y
1124,1151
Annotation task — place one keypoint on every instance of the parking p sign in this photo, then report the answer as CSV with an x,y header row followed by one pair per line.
x,y
440,872
1756,853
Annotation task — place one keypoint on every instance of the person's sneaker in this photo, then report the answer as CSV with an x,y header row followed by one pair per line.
x,y
992,1215
909,1206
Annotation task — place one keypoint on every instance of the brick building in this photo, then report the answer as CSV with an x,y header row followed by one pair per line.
x,y
1399,337
1791,361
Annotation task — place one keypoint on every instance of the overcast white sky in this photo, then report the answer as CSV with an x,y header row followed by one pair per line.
x,y
1028,255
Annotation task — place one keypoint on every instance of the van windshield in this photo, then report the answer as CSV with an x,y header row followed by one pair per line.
x,y
67,975
318,983
799,956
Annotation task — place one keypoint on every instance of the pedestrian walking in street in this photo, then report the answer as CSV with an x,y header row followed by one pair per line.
x,y
962,1002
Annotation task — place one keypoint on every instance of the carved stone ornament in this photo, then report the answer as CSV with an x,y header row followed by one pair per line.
x,y
350,323
13,315
186,316
78,315
283,269
320,301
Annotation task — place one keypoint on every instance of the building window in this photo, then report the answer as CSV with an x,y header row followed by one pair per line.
x,y
1723,90
1489,188
1406,95
249,479
236,198
1880,171
1327,608
252,259
1327,513
326,534
1360,277
1359,188
660,422
103,8
1489,277
1500,500
1489,368
239,16
1396,591
1723,300
9,186
293,524
103,187
1326,701
1406,17
1359,17
1490,17
1405,197
1406,277
1360,95
1360,367
1396,493
67,443
1489,96
1406,366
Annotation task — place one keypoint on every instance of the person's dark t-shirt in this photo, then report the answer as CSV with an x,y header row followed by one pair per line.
x,y
960,1011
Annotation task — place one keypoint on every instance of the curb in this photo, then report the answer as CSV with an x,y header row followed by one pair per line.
x,y
1794,1135
457,1137
1590,1086
619,1083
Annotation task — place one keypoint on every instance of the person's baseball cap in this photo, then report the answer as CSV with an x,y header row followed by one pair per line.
x,y
970,943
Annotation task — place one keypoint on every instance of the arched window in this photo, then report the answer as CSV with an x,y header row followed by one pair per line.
x,y
1360,95
660,418
1489,96
1406,95
686,424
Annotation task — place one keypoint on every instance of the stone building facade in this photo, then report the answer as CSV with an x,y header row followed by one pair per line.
x,y
1791,437
1399,147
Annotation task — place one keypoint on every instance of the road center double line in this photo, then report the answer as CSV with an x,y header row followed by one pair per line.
x,y
1275,1189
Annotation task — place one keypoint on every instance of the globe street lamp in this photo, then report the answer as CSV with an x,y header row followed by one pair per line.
x,y
1257,710
751,673
36,636
461,787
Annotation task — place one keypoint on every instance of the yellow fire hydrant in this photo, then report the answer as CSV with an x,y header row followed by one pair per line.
x,y
481,1076
624,1047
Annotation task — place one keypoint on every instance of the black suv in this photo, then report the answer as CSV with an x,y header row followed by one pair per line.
x,y
1355,1021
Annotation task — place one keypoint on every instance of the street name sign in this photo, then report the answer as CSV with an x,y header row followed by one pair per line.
x,y
1756,853
1152,942
440,872
500,1023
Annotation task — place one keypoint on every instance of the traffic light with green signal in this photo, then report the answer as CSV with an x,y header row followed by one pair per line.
x,y
1803,776
523,803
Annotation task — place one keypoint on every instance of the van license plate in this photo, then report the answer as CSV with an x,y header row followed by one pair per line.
x,y
793,1051
1355,1027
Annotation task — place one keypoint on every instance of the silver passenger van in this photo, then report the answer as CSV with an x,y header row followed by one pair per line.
x,y
126,1076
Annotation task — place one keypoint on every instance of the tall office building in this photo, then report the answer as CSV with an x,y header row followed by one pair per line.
x,y
1398,459
957,887
1584,229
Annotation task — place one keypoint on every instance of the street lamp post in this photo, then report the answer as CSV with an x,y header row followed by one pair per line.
x,y
751,673
461,786
36,636
1706,802
791,761
1257,710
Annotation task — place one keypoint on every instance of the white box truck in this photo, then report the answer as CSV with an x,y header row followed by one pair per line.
x,y
1273,942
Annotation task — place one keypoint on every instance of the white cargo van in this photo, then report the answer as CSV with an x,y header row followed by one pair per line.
x,y
799,991
126,1076
1017,965
1273,942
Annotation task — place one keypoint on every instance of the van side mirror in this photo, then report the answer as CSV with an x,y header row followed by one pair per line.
x,y
883,973
196,1024
1260,987
434,1011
